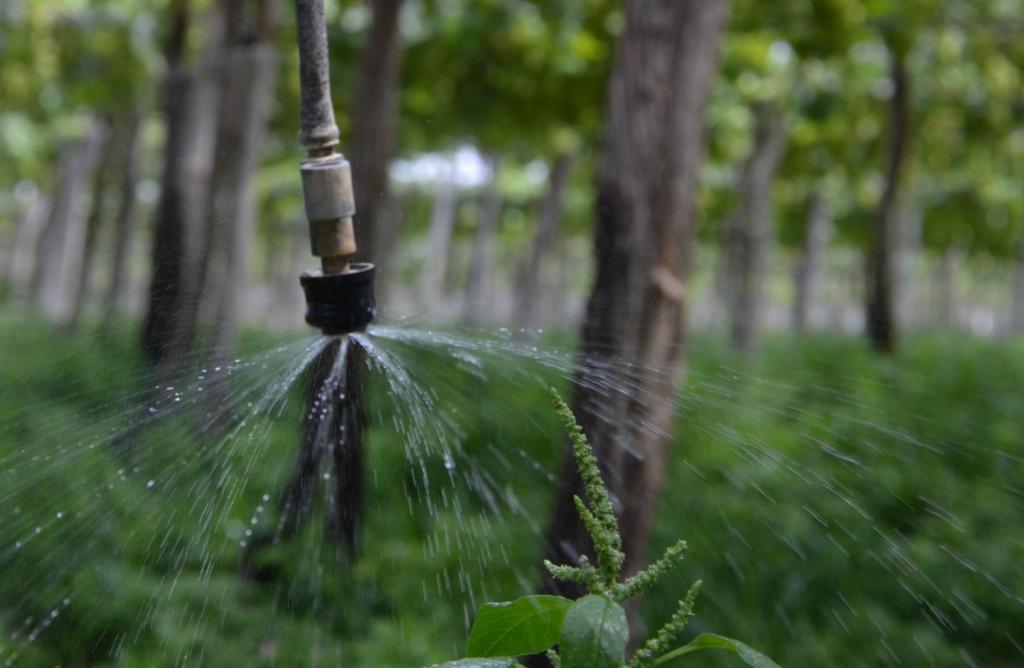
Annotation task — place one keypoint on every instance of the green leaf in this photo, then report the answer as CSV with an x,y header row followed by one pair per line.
x,y
750,656
524,626
594,634
504,662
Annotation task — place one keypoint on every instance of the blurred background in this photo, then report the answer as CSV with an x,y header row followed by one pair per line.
x,y
849,465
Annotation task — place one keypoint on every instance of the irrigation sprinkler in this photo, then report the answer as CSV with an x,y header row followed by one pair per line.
x,y
339,296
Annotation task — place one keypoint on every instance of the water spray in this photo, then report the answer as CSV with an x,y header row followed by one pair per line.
x,y
339,296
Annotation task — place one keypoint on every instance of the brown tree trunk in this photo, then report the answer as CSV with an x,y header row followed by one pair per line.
x,y
59,248
646,205
388,235
247,80
1017,324
189,105
810,270
908,255
751,233
375,115
481,263
442,228
79,290
333,426
880,319
115,297
23,243
945,288
531,274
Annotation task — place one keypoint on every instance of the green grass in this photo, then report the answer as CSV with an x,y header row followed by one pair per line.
x,y
832,501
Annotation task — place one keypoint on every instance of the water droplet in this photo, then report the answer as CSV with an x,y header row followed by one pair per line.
x,y
150,484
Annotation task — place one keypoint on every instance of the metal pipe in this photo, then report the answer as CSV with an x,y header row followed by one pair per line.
x,y
339,297
319,131
326,175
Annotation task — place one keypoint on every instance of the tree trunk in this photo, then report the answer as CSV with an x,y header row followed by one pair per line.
x,y
751,234
79,291
908,254
810,271
19,267
59,249
880,319
442,227
388,236
375,116
189,106
333,425
115,298
247,85
531,274
481,265
945,288
646,206
1017,325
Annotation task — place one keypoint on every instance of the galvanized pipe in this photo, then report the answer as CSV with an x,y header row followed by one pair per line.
x,y
326,175
339,297
319,132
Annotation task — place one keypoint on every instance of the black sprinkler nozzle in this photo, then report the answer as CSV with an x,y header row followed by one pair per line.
x,y
340,303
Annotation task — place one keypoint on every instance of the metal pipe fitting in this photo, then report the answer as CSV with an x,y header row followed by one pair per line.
x,y
330,205
339,298
340,303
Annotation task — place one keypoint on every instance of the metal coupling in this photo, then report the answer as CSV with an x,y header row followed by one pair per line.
x,y
330,205
340,303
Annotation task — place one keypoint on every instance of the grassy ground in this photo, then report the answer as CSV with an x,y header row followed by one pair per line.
x,y
841,509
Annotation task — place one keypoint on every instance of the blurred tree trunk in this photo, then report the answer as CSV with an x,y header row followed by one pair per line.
x,y
945,287
908,256
129,157
750,238
247,75
442,227
374,122
333,424
388,236
880,319
531,273
810,270
1017,324
189,103
23,243
345,512
287,303
79,290
375,116
646,206
481,263
59,247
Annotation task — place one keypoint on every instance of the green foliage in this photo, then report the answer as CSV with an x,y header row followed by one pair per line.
x,y
479,663
712,641
767,480
525,626
595,634
594,631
